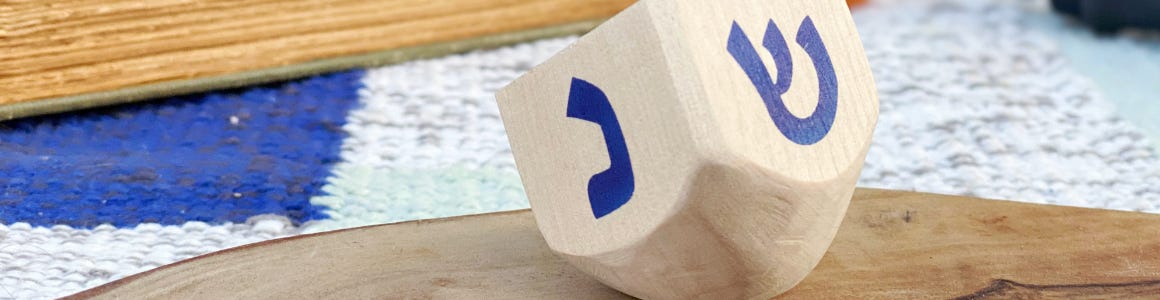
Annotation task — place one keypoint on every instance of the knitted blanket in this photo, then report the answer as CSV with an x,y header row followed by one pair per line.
x,y
977,97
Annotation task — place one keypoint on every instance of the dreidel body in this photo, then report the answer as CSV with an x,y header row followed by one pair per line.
x,y
697,149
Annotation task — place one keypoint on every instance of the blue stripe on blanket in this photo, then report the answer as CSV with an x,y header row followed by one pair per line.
x,y
215,157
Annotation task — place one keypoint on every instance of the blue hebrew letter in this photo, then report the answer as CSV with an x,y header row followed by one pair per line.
x,y
610,189
804,131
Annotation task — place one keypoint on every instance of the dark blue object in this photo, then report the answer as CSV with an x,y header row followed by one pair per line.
x,y
1112,15
215,157
610,189
803,131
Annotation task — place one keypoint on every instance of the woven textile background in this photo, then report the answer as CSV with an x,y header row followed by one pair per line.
x,y
983,98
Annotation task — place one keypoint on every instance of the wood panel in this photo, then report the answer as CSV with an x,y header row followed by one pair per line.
x,y
78,53
892,245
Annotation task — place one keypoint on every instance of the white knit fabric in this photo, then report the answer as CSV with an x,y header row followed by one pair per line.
x,y
973,102
428,141
41,263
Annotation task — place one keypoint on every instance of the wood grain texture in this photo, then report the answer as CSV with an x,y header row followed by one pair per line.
x,y
892,245
54,49
653,152
898,245
492,256
1006,289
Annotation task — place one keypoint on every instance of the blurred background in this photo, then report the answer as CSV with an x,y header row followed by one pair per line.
x,y
989,98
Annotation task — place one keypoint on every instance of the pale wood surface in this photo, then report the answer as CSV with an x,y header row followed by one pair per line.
x,y
718,182
892,245
899,245
52,49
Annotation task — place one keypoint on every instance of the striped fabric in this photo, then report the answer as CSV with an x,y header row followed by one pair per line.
x,y
90,197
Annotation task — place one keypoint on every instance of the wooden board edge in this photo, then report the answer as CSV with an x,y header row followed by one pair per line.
x,y
268,75
877,216
112,285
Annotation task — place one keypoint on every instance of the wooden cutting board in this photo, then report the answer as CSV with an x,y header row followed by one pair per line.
x,y
73,54
892,245
66,55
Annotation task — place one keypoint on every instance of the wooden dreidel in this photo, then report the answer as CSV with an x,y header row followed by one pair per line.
x,y
697,149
